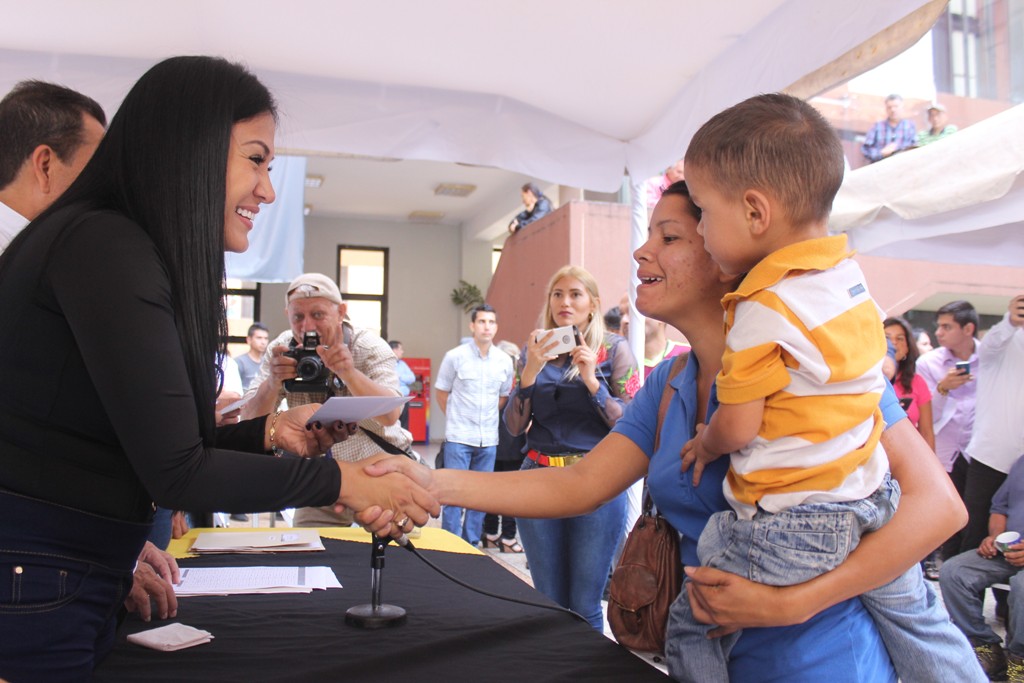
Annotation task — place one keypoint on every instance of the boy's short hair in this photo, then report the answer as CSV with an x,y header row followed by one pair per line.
x,y
777,144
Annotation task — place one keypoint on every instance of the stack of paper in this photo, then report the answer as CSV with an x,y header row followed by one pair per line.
x,y
243,580
268,541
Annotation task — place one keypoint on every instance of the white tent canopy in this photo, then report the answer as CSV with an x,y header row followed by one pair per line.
x,y
957,200
569,91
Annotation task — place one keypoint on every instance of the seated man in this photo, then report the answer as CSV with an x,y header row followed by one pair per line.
x,y
965,577
357,363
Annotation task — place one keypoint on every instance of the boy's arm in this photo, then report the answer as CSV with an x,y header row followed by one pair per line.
x,y
731,428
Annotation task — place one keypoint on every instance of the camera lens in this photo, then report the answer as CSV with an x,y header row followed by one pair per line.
x,y
309,368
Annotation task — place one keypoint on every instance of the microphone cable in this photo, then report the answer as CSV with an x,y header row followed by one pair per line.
x,y
404,542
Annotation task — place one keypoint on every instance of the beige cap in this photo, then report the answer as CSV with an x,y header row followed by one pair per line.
x,y
936,106
313,285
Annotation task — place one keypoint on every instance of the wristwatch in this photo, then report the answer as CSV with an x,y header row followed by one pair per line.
x,y
938,388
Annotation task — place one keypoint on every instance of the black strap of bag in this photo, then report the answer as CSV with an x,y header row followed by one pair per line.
x,y
649,575
387,446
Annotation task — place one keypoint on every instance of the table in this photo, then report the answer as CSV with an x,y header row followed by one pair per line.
x,y
451,635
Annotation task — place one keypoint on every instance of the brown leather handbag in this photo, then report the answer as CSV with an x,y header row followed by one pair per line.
x,y
649,575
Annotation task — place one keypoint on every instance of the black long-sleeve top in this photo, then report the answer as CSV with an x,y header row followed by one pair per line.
x,y
97,412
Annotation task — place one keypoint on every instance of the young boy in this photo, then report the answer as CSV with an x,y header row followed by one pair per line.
x,y
800,383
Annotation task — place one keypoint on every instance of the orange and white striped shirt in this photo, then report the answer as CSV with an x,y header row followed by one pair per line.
x,y
803,333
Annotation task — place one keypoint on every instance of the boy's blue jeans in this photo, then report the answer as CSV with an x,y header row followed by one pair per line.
x,y
801,543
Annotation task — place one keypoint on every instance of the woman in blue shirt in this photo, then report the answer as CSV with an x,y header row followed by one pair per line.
x,y
816,631
569,402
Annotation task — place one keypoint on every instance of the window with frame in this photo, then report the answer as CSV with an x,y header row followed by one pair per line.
x,y
363,281
971,44
242,301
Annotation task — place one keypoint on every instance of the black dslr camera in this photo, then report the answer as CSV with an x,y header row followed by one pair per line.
x,y
310,372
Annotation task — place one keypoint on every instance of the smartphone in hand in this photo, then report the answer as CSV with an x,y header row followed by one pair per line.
x,y
564,338
963,367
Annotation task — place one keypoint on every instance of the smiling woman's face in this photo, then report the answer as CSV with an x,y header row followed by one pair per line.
x,y
248,178
676,273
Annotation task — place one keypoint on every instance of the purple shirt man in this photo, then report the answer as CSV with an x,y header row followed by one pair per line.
x,y
953,391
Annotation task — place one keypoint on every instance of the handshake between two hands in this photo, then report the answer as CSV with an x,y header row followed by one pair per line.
x,y
391,494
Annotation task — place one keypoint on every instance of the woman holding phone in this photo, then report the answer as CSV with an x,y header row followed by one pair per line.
x,y
570,402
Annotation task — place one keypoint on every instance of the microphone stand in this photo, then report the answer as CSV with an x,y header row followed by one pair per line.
x,y
375,615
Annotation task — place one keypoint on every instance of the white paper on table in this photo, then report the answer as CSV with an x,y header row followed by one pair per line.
x,y
356,408
287,540
246,580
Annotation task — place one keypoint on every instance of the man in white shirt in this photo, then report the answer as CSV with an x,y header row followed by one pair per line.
x,y
473,384
997,439
47,134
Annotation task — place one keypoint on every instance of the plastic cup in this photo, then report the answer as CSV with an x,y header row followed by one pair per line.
x,y
1006,539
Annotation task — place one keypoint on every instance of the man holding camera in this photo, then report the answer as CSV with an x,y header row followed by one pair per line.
x,y
323,356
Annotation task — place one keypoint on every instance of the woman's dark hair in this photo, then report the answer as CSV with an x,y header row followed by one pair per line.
x,y
906,368
680,189
163,164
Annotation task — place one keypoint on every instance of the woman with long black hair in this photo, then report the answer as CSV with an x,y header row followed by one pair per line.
x,y
113,324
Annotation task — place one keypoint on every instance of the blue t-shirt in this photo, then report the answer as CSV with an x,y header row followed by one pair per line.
x,y
1009,498
840,643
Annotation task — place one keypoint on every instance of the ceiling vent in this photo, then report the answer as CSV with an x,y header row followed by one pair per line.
x,y
426,216
454,190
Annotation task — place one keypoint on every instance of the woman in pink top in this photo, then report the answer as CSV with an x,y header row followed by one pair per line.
x,y
910,387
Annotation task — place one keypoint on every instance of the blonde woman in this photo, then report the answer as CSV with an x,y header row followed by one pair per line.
x,y
570,402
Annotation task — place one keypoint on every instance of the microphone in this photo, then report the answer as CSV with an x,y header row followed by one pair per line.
x,y
376,615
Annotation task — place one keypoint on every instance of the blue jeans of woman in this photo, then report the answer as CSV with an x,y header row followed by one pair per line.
x,y
64,575
570,558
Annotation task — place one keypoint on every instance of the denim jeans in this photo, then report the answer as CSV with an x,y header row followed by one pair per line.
x,y
160,534
570,558
806,541
459,456
64,575
964,579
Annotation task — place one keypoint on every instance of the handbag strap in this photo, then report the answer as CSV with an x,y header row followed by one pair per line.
x,y
678,363
384,444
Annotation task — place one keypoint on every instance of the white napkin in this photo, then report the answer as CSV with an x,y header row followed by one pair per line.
x,y
171,637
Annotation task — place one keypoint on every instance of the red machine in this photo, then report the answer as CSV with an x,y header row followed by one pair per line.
x,y
419,406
